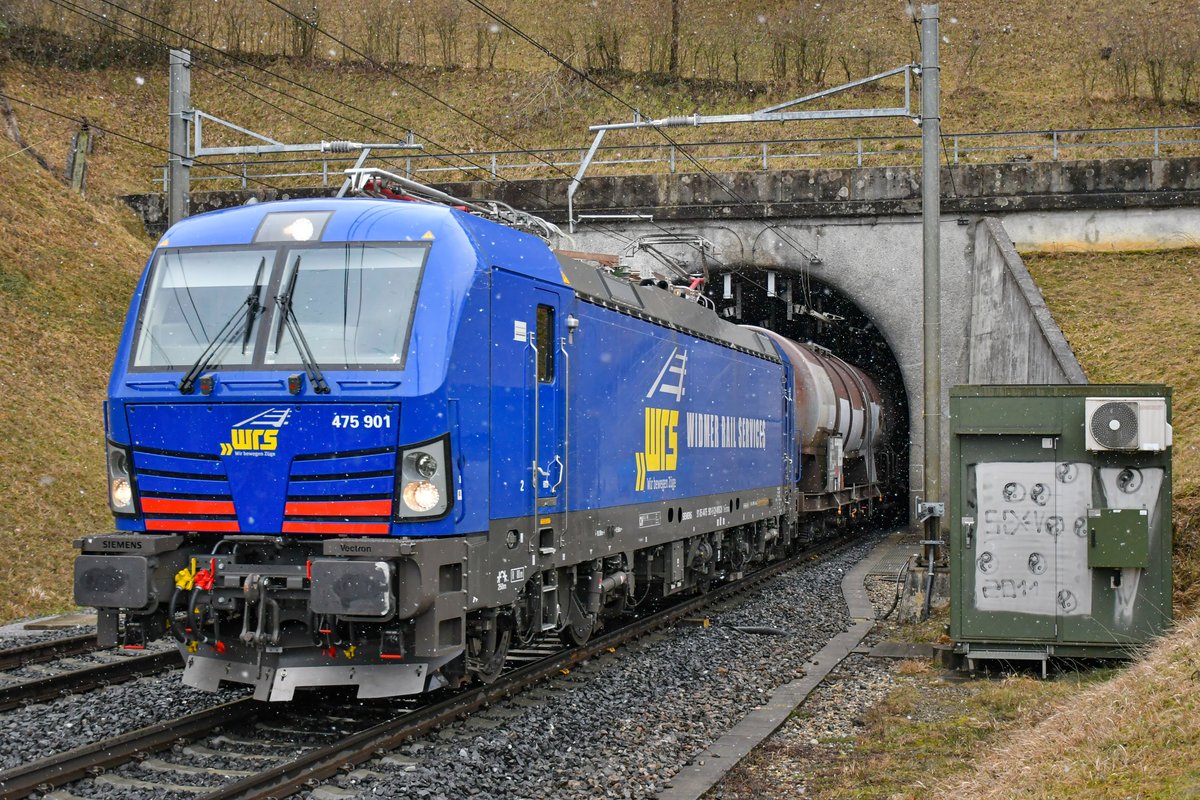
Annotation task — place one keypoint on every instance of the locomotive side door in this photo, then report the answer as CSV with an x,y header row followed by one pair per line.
x,y
529,372
548,347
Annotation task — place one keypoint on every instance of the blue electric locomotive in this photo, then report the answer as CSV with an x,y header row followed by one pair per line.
x,y
366,442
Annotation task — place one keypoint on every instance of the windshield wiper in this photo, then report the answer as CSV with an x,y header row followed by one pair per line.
x,y
248,308
254,304
284,303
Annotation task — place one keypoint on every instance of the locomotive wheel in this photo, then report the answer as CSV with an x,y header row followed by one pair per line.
x,y
488,671
580,625
577,632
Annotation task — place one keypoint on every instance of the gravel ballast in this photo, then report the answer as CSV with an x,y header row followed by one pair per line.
x,y
619,726
44,729
623,725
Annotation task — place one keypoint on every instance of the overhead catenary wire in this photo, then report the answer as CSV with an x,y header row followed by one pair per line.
x,y
483,170
186,37
483,173
198,62
478,4
448,105
278,76
137,35
368,59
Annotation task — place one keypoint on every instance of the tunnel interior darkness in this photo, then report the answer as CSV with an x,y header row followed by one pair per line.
x,y
824,316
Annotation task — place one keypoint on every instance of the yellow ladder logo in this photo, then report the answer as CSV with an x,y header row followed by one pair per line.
x,y
662,444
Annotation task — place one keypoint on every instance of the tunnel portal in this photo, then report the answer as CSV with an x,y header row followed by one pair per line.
x,y
808,310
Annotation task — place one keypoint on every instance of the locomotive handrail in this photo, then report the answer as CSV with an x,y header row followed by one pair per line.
x,y
562,472
531,342
562,347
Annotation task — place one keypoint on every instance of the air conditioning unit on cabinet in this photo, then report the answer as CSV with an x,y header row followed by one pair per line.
x,y
1127,423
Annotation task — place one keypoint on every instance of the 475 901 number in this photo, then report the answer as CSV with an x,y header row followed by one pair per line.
x,y
364,421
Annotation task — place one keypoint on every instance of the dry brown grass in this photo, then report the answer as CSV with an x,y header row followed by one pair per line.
x,y
1133,318
67,269
1137,735
924,730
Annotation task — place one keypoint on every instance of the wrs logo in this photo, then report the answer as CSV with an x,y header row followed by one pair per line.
x,y
662,449
258,434
661,453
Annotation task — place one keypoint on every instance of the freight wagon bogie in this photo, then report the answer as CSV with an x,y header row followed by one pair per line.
x,y
377,444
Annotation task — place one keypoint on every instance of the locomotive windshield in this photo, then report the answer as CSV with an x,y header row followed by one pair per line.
x,y
192,295
353,305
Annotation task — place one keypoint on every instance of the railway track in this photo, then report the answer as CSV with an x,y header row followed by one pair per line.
x,y
119,667
39,652
362,732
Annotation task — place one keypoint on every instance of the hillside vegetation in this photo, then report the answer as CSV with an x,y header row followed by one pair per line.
x,y
1133,318
67,269
371,71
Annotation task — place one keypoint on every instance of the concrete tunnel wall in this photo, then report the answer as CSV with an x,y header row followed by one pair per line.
x,y
1013,337
995,325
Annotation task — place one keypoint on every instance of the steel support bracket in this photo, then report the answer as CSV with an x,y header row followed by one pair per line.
x,y
927,510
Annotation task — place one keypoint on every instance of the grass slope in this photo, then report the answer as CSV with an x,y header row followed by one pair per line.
x,y
1137,735
67,269
1133,318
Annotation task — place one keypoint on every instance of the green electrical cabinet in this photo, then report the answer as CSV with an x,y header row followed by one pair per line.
x,y
1060,520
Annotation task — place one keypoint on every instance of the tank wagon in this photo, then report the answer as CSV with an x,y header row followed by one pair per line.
x,y
373,443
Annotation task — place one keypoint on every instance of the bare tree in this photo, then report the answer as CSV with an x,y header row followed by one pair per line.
x,y
1119,52
606,26
376,35
1186,61
976,43
233,26
303,31
446,18
1154,45
801,38
673,56
487,41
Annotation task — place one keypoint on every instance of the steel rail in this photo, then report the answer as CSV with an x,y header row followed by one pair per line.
x,y
87,678
309,768
13,657
43,775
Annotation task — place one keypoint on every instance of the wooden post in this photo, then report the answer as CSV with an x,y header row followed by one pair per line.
x,y
81,145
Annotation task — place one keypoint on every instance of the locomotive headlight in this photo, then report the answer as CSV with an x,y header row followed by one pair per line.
x,y
122,493
423,480
301,229
425,465
421,496
120,481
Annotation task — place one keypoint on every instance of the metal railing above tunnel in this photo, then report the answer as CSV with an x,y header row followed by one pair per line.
x,y
970,147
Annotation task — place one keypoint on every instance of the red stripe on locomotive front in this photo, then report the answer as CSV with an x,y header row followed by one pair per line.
x,y
217,525
339,508
336,527
171,505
